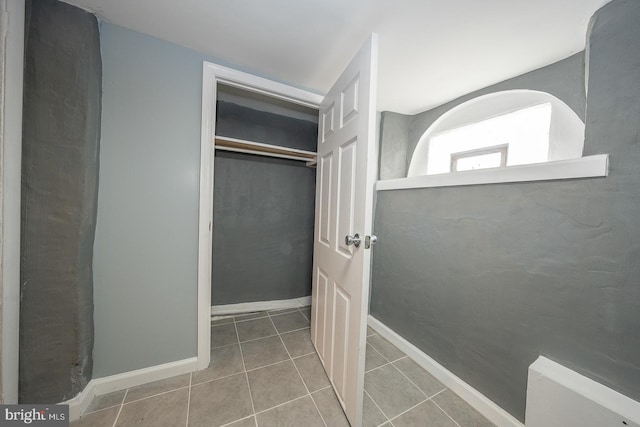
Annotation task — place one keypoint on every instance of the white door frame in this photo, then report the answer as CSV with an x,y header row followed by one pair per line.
x,y
12,25
212,74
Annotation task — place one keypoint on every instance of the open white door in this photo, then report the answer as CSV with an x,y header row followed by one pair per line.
x,y
345,177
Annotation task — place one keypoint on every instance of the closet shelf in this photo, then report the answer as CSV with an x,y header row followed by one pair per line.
x,y
241,146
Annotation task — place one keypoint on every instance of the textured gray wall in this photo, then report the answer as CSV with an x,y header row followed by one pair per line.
x,y
563,79
146,251
233,120
61,134
394,137
262,228
486,278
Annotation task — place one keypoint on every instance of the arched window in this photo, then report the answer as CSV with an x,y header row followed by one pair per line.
x,y
498,130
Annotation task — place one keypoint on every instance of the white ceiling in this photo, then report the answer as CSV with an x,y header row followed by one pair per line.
x,y
431,51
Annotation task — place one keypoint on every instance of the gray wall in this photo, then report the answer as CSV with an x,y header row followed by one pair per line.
x,y
394,137
238,121
486,278
147,232
400,134
262,228
61,134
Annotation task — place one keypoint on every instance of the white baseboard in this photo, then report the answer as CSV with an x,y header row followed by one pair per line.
x,y
473,397
104,385
248,307
81,402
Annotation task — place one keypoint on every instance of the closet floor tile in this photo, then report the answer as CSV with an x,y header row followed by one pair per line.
x,y
254,329
290,321
223,335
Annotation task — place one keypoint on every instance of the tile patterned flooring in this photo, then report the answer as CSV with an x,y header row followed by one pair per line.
x,y
266,373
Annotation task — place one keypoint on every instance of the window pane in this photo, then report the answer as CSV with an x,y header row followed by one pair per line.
x,y
482,161
525,131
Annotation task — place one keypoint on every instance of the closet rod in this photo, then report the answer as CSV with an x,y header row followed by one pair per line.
x,y
250,147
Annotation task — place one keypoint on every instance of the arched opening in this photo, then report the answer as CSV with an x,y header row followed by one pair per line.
x,y
501,129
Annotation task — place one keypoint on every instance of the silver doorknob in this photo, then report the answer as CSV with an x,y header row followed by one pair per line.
x,y
370,241
355,240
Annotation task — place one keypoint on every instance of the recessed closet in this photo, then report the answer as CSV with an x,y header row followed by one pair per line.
x,y
264,198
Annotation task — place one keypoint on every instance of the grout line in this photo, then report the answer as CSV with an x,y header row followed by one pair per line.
x,y
308,318
246,375
256,339
121,406
157,394
295,330
189,400
445,412
216,379
413,407
321,389
299,374
249,320
99,410
304,355
377,406
281,404
414,384
379,367
241,419
221,346
267,366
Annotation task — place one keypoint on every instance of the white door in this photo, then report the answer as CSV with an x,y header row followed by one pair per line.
x,y
345,177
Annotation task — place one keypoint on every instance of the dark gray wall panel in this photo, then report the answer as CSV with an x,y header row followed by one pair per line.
x,y
61,133
486,278
262,228
237,121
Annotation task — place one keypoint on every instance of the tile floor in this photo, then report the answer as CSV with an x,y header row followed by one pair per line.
x,y
266,373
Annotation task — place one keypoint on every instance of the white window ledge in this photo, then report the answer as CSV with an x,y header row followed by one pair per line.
x,y
584,167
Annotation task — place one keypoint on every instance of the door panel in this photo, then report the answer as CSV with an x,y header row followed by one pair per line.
x,y
344,200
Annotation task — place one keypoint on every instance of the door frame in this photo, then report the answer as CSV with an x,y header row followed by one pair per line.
x,y
12,14
212,74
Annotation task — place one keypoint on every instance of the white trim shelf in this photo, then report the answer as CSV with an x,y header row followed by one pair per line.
x,y
251,147
584,167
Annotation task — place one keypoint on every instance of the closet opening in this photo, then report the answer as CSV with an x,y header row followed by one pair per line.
x,y
263,202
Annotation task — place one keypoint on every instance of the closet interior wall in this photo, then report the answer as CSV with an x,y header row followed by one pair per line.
x,y
264,207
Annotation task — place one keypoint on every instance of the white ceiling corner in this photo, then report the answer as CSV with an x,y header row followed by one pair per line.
x,y
431,51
